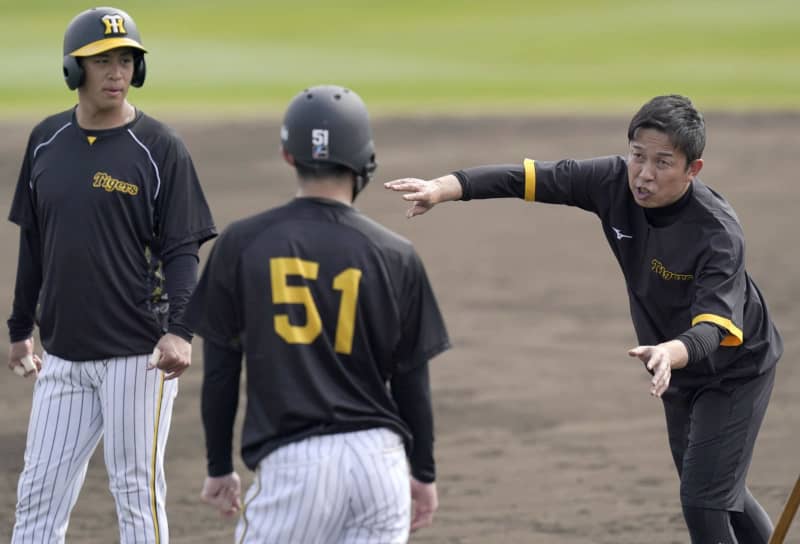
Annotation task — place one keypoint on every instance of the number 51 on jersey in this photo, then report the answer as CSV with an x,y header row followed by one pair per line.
x,y
346,281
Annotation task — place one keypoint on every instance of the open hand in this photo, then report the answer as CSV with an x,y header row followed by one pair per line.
x,y
425,194
658,360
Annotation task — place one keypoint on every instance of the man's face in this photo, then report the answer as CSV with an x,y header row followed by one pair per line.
x,y
107,78
657,172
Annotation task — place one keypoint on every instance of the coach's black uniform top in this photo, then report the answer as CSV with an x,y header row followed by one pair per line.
x,y
327,306
689,270
101,208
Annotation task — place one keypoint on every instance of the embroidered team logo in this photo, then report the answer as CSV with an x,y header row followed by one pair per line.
x,y
661,270
319,143
115,24
103,180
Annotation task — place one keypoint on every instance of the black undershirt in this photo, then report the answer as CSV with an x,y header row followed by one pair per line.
x,y
411,392
218,403
180,276
667,215
701,340
26,291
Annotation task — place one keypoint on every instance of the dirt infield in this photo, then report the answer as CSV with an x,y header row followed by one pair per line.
x,y
545,431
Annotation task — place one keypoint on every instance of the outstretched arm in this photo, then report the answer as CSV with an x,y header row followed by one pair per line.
x,y
660,360
425,194
688,348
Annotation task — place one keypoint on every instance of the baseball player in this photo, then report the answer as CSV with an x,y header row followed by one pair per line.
x,y
705,332
111,215
337,321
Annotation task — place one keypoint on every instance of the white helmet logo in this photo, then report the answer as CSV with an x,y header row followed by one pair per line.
x,y
115,24
319,143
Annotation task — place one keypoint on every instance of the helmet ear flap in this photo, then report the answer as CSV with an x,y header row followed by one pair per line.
x,y
73,72
139,70
360,179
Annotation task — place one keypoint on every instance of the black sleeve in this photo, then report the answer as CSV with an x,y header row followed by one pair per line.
x,y
23,210
411,392
219,401
182,213
180,269
586,184
29,281
214,308
702,340
424,334
492,181
721,285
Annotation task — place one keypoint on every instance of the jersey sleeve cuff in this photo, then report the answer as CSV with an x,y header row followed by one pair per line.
x,y
182,331
529,166
426,476
735,337
19,334
466,190
220,468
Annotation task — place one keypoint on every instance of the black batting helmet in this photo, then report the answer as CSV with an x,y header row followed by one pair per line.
x,y
329,125
97,30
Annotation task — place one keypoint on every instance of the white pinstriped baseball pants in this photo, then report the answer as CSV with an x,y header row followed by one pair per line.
x,y
340,488
74,404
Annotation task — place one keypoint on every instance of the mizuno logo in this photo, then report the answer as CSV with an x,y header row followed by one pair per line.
x,y
620,234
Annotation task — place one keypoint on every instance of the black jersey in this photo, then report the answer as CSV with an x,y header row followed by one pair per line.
x,y
106,205
677,275
326,305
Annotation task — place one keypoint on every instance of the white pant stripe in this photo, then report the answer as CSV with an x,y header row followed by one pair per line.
x,y
348,488
74,404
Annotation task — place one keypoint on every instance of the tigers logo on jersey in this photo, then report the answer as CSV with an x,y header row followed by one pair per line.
x,y
319,143
115,24
661,270
103,180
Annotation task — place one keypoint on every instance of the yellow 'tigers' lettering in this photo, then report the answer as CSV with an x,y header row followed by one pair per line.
x,y
347,282
104,181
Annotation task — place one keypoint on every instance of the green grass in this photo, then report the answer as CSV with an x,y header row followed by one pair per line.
x,y
416,57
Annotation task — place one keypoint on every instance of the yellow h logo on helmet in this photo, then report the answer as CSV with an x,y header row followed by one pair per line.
x,y
114,24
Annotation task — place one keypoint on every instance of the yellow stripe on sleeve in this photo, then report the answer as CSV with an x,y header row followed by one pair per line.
x,y
530,180
735,336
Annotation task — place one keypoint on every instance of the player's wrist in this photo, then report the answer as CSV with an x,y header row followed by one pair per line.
x,y
449,188
465,193
218,469
181,331
424,475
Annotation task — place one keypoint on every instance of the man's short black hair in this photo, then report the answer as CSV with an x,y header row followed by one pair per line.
x,y
319,170
675,116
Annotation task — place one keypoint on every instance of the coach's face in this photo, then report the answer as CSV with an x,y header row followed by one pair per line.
x,y
657,172
107,78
